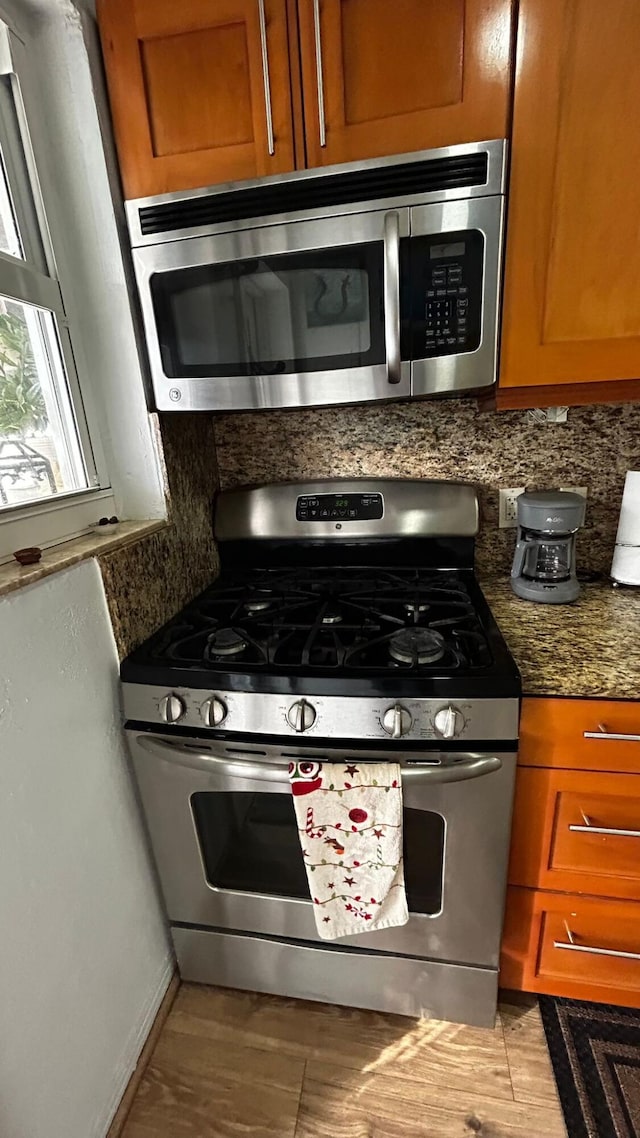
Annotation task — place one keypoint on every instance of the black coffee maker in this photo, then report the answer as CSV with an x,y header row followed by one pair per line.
x,y
544,563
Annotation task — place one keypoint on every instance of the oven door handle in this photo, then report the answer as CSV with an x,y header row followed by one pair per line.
x,y
201,761
463,767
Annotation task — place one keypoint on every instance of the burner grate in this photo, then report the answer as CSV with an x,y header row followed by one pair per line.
x,y
328,620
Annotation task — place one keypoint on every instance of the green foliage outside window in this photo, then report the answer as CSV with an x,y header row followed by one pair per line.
x,y
22,407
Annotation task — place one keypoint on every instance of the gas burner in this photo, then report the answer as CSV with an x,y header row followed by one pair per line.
x,y
331,618
416,646
258,605
226,642
415,609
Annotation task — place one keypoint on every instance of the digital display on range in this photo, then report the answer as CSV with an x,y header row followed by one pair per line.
x,y
339,507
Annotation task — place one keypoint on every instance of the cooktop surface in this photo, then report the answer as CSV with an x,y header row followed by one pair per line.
x,y
284,628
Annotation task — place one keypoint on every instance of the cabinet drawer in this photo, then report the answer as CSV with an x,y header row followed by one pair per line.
x,y
557,733
577,831
584,948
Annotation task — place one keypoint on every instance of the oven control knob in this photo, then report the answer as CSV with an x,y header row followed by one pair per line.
x,y
396,721
448,722
172,707
301,715
213,712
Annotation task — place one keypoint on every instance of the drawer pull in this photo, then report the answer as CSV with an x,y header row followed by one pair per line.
x,y
610,831
605,830
602,733
592,949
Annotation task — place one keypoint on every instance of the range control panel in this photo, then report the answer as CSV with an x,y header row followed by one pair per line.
x,y
322,717
339,507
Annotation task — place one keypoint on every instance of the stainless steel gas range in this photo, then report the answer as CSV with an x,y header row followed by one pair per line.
x,y
347,624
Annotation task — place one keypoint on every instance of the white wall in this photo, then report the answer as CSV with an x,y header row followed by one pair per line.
x,y
84,958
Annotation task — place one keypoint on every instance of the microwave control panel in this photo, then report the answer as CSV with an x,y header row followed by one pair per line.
x,y
339,507
443,311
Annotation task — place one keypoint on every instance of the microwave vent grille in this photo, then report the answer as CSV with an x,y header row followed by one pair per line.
x,y
411,178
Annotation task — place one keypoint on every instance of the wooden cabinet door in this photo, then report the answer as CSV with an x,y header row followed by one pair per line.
x,y
584,734
576,831
404,76
561,944
193,86
572,285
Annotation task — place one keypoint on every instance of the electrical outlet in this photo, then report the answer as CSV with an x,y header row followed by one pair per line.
x,y
547,414
508,507
583,491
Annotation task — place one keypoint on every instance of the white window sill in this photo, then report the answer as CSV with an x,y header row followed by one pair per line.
x,y
57,557
53,520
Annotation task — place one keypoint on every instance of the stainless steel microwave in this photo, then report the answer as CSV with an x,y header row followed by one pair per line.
x,y
368,281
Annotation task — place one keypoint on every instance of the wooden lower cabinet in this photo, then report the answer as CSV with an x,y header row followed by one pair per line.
x,y
572,922
577,831
585,734
585,948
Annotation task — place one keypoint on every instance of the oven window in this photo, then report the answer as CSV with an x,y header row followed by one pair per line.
x,y
295,312
249,843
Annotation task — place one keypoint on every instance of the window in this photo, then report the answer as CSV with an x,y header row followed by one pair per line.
x,y
49,461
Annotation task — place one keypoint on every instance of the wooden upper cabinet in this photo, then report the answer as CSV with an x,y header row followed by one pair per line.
x,y
402,76
190,85
572,285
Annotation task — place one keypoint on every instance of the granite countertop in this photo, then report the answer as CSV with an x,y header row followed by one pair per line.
x,y
589,649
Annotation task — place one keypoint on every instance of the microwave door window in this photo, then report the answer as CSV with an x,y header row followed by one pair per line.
x,y
202,316
265,303
292,313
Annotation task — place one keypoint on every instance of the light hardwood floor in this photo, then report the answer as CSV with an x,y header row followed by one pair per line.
x,y
230,1063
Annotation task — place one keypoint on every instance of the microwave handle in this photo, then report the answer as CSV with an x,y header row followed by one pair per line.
x,y
468,765
392,294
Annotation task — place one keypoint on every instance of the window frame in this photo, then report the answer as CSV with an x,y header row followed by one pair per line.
x,y
34,280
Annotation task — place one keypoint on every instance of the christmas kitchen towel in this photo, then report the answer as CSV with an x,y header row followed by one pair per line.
x,y
350,826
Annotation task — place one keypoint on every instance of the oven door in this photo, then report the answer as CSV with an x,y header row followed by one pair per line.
x,y
225,841
276,316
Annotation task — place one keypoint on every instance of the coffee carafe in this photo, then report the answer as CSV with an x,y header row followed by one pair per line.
x,y
544,564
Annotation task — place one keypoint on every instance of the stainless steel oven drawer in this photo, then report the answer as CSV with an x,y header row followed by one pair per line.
x,y
352,977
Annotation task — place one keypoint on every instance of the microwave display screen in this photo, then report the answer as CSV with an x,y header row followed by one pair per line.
x,y
453,249
338,507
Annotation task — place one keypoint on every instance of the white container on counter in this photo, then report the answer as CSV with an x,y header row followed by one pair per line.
x,y
625,567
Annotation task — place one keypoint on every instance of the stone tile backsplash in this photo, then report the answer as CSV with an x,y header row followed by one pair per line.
x,y
448,439
148,581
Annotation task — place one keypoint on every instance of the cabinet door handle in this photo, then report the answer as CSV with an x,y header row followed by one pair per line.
x,y
588,829
319,74
602,733
594,950
611,831
392,295
265,75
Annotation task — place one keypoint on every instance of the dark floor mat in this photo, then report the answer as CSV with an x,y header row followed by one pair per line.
x,y
595,1052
